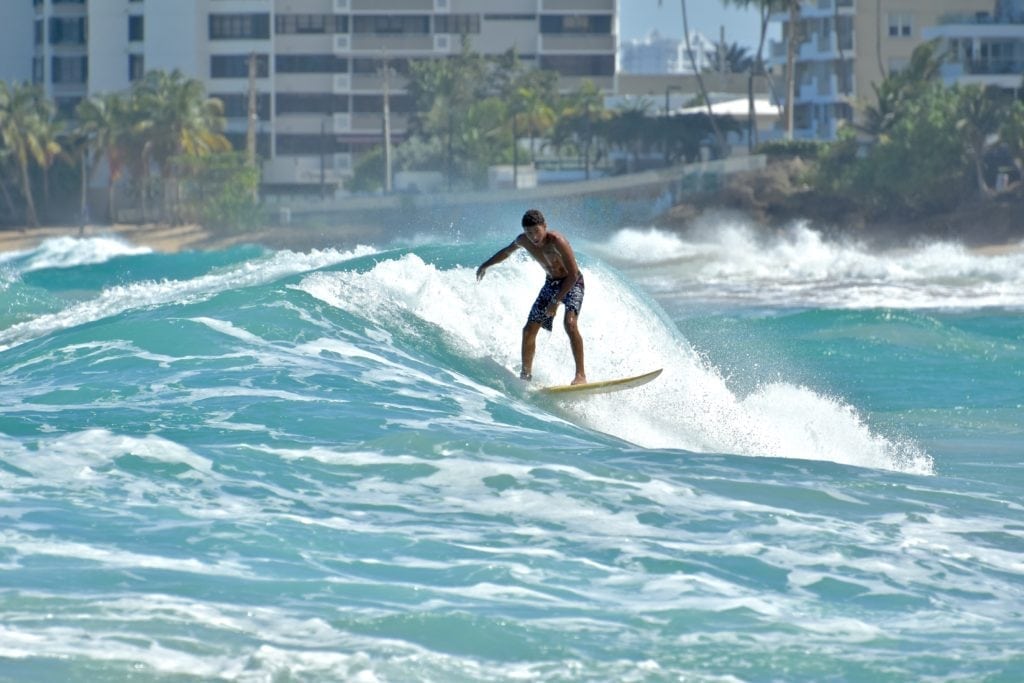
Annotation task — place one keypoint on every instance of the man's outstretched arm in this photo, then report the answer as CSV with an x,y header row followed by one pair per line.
x,y
497,258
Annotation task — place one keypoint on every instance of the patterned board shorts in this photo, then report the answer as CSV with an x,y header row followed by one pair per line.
x,y
573,301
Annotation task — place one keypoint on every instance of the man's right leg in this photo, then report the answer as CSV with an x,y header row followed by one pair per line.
x,y
529,347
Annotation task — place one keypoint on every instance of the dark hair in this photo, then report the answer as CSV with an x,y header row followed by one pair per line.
x,y
533,217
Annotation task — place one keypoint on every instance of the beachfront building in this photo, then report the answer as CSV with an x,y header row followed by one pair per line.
x,y
318,64
984,48
848,46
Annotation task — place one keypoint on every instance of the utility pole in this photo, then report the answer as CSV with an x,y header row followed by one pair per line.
x,y
323,161
252,119
387,126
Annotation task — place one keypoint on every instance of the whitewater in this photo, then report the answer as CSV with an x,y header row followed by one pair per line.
x,y
267,465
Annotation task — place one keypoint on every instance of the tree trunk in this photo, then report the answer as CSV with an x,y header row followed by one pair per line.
x,y
26,188
719,140
791,44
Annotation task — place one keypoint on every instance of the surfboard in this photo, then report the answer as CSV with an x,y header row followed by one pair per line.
x,y
603,387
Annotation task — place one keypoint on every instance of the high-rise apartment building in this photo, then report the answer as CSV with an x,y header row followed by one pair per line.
x,y
319,75
846,47
984,48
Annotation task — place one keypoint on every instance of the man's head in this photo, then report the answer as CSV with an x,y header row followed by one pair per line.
x,y
533,217
534,226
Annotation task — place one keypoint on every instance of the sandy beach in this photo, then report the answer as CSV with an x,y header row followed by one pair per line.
x,y
170,239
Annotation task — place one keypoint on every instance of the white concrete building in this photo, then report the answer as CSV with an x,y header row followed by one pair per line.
x,y
319,78
984,48
848,46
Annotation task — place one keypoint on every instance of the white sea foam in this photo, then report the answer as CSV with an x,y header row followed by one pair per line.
x,y
689,407
116,300
797,267
67,252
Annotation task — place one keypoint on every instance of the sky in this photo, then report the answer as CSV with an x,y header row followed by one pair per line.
x,y
638,17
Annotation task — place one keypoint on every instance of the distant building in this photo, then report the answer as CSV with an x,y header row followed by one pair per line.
x,y
656,54
319,74
846,47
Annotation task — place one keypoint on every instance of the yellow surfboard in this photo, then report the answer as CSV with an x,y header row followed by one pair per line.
x,y
604,387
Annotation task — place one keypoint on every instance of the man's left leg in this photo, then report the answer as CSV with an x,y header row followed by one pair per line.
x,y
576,344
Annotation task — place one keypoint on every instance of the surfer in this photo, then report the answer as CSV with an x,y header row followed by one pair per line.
x,y
564,284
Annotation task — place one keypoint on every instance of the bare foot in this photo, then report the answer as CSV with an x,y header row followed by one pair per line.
x,y
579,379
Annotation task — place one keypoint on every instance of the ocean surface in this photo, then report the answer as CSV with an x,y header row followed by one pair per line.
x,y
257,465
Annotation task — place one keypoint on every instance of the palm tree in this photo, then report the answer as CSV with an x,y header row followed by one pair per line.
x,y
18,124
105,121
582,111
45,147
179,121
983,113
730,58
900,88
700,80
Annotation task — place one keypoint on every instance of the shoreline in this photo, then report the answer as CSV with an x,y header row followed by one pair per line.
x,y
194,237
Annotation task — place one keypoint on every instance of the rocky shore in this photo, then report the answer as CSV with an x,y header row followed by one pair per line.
x,y
773,197
776,196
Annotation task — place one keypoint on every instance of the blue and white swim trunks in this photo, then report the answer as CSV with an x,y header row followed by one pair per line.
x,y
573,301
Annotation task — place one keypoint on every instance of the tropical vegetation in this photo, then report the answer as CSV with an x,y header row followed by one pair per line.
x,y
149,140
920,147
926,147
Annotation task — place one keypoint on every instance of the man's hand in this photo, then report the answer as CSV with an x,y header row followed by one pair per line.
x,y
480,273
552,309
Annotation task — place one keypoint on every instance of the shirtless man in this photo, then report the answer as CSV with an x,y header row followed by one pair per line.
x,y
564,284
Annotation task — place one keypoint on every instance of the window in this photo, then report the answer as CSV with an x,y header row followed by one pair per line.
x,y
310,144
239,26
136,67
69,69
238,142
136,28
459,24
310,64
579,65
311,103
37,70
39,32
900,25
388,23
310,23
576,23
370,65
374,104
67,31
510,17
237,66
236,105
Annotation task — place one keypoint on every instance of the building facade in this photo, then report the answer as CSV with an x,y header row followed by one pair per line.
x,y
846,47
984,48
319,77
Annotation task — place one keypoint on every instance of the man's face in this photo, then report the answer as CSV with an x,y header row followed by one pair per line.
x,y
536,233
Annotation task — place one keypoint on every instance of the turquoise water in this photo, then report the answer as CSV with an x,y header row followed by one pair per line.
x,y
255,465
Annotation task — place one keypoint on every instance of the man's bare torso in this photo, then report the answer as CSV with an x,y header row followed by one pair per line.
x,y
548,254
